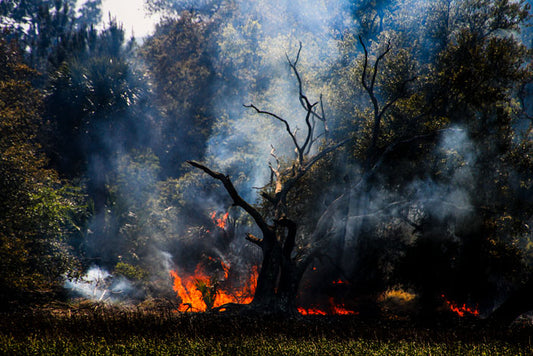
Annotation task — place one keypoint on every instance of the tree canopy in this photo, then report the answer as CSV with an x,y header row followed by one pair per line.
x,y
341,149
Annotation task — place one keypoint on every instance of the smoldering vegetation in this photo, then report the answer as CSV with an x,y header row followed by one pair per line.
x,y
428,203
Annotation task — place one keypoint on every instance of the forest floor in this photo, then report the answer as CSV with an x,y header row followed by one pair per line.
x,y
94,329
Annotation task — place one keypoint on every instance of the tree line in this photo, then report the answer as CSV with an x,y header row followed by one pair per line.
x,y
382,143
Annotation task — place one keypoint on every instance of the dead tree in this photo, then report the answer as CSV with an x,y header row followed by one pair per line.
x,y
281,272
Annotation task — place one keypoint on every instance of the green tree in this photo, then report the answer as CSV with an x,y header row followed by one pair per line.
x,y
38,212
179,59
41,26
467,83
91,107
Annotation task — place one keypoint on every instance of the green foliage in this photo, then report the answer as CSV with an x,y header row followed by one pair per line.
x,y
180,51
133,273
461,71
92,94
43,26
38,212
208,289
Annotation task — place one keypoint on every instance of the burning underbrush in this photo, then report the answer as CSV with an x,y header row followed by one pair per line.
x,y
208,277
200,292
214,284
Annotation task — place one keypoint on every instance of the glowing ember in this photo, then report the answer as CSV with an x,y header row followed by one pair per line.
x,y
341,310
460,310
311,311
220,222
332,309
188,289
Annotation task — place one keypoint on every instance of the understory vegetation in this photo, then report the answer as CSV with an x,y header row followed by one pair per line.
x,y
98,330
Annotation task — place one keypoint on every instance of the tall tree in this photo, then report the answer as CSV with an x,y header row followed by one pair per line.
x,y
179,60
281,271
40,26
36,210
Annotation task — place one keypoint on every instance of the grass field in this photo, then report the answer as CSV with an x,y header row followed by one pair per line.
x,y
134,332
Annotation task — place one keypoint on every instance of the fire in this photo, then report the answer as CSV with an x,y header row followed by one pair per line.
x,y
225,266
191,298
189,289
220,222
333,309
460,310
311,311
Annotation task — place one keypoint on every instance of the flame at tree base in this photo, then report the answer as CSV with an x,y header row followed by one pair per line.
x,y
199,292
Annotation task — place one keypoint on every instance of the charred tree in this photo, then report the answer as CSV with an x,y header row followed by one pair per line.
x,y
281,272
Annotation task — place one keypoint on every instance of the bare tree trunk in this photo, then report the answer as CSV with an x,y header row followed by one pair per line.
x,y
265,292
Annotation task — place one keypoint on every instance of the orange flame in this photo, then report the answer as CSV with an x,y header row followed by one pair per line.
x,y
191,297
221,222
460,310
225,266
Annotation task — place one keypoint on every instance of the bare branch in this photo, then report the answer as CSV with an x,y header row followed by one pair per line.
x,y
323,117
324,152
303,99
369,88
376,65
289,183
372,170
268,197
306,104
237,199
365,64
275,172
254,239
308,139
397,97
287,126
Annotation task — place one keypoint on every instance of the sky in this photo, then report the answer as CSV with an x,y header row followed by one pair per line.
x,y
131,14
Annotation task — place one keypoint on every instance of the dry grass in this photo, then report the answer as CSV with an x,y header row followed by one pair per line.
x,y
89,329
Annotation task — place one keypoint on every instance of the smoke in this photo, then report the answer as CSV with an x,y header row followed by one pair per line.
x,y
270,32
99,285
160,225
140,220
450,196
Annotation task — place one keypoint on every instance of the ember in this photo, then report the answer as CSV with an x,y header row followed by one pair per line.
x,y
220,222
331,309
311,311
460,310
